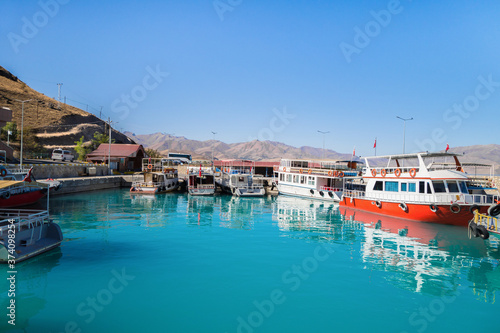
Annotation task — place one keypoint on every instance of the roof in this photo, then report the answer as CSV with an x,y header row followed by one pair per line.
x,y
117,150
415,155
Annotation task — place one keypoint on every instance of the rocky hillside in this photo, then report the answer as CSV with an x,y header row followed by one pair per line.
x,y
253,150
55,126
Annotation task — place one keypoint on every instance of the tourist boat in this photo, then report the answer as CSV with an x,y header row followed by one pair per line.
x,y
323,180
25,233
159,177
201,181
238,178
416,187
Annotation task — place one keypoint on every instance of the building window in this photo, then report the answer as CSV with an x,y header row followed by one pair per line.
x,y
391,186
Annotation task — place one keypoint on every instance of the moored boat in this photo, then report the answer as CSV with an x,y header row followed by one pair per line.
x,y
201,181
238,178
323,180
25,233
159,177
416,187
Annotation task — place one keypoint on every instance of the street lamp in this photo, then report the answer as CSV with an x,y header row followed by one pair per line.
x,y
323,141
213,144
22,129
404,130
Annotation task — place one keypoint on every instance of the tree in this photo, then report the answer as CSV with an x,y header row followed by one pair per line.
x,y
11,126
81,149
153,153
30,142
100,138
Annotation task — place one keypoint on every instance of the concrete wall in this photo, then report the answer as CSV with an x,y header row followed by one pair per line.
x,y
44,171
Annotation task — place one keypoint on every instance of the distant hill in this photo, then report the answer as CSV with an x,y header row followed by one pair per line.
x,y
253,150
55,126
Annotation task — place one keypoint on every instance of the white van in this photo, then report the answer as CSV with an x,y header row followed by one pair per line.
x,y
63,155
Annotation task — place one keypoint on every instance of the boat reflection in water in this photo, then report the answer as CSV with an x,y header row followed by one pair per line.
x,y
421,257
200,209
240,212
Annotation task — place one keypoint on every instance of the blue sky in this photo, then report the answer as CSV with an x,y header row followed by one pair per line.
x,y
279,70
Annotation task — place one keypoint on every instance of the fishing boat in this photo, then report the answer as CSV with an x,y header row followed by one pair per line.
x,y
323,180
159,177
238,178
201,181
25,233
417,187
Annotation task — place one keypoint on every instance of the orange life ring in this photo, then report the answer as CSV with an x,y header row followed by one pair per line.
x,y
397,172
275,168
330,173
413,172
150,166
284,169
309,171
374,172
301,170
341,174
383,172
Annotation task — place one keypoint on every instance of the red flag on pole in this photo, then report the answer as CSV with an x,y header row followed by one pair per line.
x,y
200,170
375,144
354,151
447,148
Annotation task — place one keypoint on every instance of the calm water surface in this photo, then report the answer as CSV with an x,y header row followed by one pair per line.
x,y
175,263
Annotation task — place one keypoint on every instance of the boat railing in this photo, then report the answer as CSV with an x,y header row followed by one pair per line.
x,y
354,193
392,170
490,222
481,182
202,186
331,189
23,218
339,172
147,184
251,187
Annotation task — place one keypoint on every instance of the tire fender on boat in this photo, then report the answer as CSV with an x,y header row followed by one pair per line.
x,y
330,194
378,204
403,206
321,193
433,208
494,210
312,191
6,195
473,208
455,208
482,232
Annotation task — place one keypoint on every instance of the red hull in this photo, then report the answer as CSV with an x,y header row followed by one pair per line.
x,y
22,199
415,212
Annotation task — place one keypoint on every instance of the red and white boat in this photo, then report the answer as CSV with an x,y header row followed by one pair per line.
x,y
417,187
159,177
201,181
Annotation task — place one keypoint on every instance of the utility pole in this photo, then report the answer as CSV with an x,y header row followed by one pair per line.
x,y
323,142
22,129
213,144
109,150
59,95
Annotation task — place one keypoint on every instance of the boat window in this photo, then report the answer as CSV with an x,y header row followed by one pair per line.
x,y
404,187
391,186
378,186
311,181
452,186
421,187
289,178
429,191
463,187
439,186
412,187
302,179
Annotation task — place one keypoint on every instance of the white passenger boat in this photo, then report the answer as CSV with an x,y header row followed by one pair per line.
x,y
201,180
323,180
238,178
159,177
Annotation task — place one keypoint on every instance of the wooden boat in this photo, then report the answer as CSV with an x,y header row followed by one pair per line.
x,y
159,177
201,181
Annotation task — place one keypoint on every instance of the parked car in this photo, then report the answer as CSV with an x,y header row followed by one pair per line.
x,y
63,155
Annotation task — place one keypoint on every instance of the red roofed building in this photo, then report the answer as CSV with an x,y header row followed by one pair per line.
x,y
124,157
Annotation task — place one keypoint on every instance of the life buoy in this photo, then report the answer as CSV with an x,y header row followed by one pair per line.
x,y
284,169
3,172
150,166
374,172
403,206
455,208
301,170
330,173
341,174
383,172
413,172
336,173
433,208
309,171
275,168
397,172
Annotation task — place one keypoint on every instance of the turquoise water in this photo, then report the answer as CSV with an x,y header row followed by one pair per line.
x,y
175,263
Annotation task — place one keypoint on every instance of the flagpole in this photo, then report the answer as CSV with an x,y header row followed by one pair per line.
x,y
375,146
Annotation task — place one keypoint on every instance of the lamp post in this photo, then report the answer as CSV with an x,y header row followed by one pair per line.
x,y
404,130
22,129
323,141
213,144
